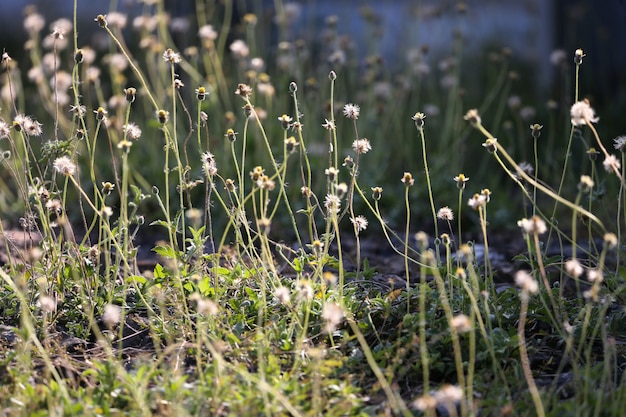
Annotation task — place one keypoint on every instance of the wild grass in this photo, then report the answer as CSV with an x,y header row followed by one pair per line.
x,y
259,186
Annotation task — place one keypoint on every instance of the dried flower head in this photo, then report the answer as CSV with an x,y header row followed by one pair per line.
x,y
332,203
473,117
611,163
64,165
328,125
574,268
332,315
361,146
477,201
461,323
351,111
620,143
283,295
445,213
359,223
243,90
172,57
586,183
101,19
582,113
111,315
526,282
533,225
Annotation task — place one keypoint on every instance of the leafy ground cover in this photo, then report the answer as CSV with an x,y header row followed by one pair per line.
x,y
214,225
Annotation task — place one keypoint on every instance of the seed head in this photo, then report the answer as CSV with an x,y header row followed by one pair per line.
x,y
351,111
243,90
611,164
332,203
359,223
620,143
526,282
64,165
574,268
170,56
534,225
445,213
361,146
582,113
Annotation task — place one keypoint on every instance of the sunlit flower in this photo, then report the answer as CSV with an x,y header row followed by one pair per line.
x,y
64,165
611,163
582,113
332,315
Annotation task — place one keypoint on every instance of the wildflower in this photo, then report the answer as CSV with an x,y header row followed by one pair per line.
x,y
332,75
79,110
317,246
208,164
239,49
473,117
486,192
582,113
201,93
593,153
229,184
407,179
264,182
107,211
445,213
460,180
283,295
351,111
341,189
578,56
305,191
64,165
422,239
332,203
47,304
533,225
526,282
163,116
611,163
610,239
100,113
425,402
359,222
130,93
125,145
231,135
620,143
449,394
535,130
461,323
178,84
331,173
207,32
5,131
477,201
361,146
574,268
418,118
132,131
305,290
31,127
377,193
111,315
332,315
490,145
285,121
170,56
205,306
54,206
102,20
348,162
594,276
445,238
256,173
586,183
243,90
328,125
290,144
107,187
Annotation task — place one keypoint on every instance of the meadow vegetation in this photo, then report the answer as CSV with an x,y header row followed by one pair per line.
x,y
189,211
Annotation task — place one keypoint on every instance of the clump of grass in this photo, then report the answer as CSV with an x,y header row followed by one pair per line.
x,y
259,297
